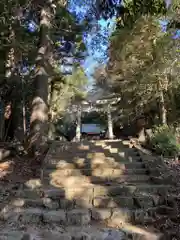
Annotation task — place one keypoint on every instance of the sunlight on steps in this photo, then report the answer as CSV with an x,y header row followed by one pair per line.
x,y
80,187
5,168
88,188
34,183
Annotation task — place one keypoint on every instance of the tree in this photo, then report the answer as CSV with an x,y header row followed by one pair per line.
x,y
16,44
52,34
142,73
58,39
65,90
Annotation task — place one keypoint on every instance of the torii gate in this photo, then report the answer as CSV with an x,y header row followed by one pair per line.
x,y
104,105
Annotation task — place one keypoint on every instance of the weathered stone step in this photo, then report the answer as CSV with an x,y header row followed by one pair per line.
x,y
79,216
84,162
81,202
63,164
124,232
93,232
130,201
115,173
36,234
90,172
99,179
107,152
62,147
125,189
120,148
96,177
86,233
86,144
90,190
93,158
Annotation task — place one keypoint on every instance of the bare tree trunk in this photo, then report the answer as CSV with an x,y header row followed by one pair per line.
x,y
162,108
39,114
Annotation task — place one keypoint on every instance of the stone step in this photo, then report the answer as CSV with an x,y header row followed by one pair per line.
x,y
92,191
79,217
90,172
96,177
81,202
93,232
106,152
116,149
86,146
72,149
86,233
94,157
131,202
111,180
125,189
81,163
99,171
36,234
124,232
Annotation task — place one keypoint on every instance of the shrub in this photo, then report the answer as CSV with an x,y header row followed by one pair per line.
x,y
164,141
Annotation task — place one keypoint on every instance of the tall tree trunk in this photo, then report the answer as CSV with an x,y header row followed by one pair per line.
x,y
9,73
10,56
19,111
162,108
39,114
51,132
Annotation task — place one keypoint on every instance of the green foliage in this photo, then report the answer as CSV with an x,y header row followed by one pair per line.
x,y
143,63
67,89
164,141
135,9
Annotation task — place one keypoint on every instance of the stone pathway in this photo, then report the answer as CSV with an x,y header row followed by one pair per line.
x,y
91,190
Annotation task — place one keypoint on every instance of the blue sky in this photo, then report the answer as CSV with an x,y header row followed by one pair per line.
x,y
164,24
97,50
93,58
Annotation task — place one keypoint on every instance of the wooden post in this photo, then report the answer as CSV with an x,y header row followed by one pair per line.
x,y
110,123
78,128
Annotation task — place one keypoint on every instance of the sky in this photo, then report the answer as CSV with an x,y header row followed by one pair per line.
x,y
94,57
164,24
101,29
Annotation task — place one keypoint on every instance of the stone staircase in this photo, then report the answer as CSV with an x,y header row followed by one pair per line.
x,y
88,190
